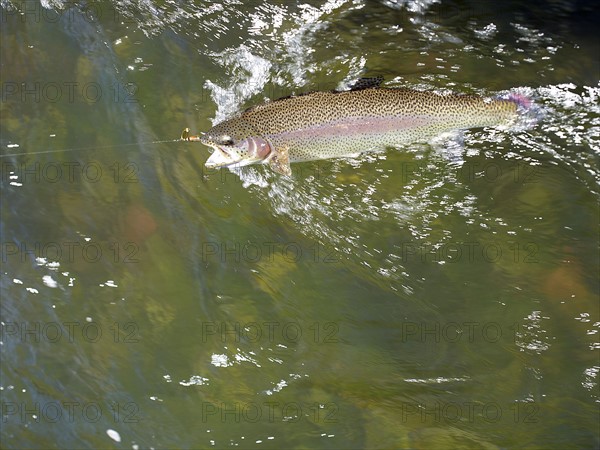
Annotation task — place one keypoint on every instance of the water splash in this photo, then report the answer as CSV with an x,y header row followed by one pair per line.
x,y
250,73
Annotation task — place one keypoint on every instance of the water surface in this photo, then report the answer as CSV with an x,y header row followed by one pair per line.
x,y
423,297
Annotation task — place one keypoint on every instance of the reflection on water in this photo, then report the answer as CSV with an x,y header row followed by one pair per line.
x,y
362,303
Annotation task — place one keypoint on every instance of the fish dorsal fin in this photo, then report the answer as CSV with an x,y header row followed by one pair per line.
x,y
366,83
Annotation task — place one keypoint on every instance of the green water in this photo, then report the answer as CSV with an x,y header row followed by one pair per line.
x,y
422,297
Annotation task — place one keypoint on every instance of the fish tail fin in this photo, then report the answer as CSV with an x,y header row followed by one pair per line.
x,y
522,101
528,112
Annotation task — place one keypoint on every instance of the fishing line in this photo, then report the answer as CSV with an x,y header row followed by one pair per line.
x,y
96,147
90,148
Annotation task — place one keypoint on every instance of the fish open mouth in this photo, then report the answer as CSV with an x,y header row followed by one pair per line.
x,y
251,150
220,157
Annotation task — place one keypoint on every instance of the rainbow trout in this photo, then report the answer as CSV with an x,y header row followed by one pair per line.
x,y
334,124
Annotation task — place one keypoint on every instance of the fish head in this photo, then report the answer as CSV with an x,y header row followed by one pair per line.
x,y
235,145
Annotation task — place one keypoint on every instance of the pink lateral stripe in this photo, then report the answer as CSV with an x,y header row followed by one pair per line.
x,y
360,125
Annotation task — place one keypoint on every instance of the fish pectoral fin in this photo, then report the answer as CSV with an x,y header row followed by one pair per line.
x,y
280,162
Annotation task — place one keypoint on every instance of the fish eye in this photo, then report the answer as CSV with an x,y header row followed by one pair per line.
x,y
225,140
